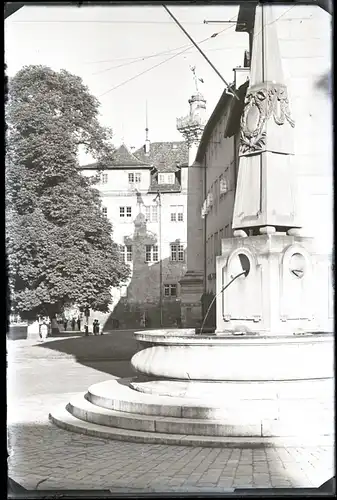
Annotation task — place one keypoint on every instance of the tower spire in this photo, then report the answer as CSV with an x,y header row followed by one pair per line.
x,y
147,140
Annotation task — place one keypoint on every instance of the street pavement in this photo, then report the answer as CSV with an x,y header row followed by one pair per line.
x,y
43,457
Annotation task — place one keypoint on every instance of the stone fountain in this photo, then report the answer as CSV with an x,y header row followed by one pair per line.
x,y
266,377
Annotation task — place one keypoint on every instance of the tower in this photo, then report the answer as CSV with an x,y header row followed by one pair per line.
x,y
147,140
192,284
192,126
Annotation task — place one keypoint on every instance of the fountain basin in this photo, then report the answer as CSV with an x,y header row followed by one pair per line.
x,y
218,391
182,355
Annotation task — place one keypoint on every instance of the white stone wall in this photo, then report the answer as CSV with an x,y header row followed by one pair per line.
x,y
116,193
305,45
220,160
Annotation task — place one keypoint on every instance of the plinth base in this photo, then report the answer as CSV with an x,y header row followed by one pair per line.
x,y
293,411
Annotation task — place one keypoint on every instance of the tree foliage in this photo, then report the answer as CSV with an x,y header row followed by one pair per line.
x,y
59,244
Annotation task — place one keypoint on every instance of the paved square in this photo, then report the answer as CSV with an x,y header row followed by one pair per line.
x,y
43,456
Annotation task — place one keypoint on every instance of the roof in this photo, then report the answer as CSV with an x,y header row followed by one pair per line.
x,y
246,15
122,158
166,167
165,155
234,119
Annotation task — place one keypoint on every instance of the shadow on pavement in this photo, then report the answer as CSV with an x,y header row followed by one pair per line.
x,y
97,352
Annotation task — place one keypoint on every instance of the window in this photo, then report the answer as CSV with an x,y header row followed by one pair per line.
x,y
224,184
151,213
177,252
166,178
177,213
221,238
216,196
216,243
125,211
128,253
170,290
134,177
212,247
151,253
105,211
170,178
104,178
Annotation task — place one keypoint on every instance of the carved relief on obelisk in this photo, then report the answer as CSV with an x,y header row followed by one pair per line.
x,y
265,194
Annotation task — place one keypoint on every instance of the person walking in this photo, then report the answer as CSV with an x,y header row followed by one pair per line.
x,y
79,323
73,323
65,324
44,331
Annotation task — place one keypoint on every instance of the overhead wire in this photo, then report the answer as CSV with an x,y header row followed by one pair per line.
x,y
145,58
145,71
178,23
274,21
139,59
163,62
134,60
88,21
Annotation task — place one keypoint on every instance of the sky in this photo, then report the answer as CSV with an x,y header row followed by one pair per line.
x,y
106,46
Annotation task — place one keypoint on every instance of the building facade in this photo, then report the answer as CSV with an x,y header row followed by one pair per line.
x,y
144,195
304,39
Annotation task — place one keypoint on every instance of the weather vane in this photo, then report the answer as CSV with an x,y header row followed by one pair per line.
x,y
196,79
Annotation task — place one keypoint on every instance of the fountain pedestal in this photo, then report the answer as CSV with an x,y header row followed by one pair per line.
x,y
279,294
214,391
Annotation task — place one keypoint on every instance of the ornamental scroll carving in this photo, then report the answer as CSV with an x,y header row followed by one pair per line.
x,y
261,104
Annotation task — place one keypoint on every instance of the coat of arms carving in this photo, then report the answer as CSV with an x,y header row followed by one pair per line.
x,y
261,103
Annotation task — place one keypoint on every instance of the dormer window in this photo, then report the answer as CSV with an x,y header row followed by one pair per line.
x,y
166,178
134,177
104,178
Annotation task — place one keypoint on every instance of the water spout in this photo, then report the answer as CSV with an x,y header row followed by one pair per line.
x,y
245,265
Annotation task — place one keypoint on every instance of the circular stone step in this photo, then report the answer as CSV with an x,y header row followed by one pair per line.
x,y
63,419
319,390
239,424
119,396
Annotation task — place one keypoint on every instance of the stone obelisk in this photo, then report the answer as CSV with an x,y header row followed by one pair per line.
x,y
265,196
277,295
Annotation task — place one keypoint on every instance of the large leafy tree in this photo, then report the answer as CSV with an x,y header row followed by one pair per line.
x,y
60,249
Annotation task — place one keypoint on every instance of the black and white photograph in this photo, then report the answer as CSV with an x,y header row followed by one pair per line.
x,y
169,248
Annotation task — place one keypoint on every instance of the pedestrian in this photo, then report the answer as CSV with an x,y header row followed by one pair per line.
x,y
79,323
54,326
73,323
44,331
65,324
